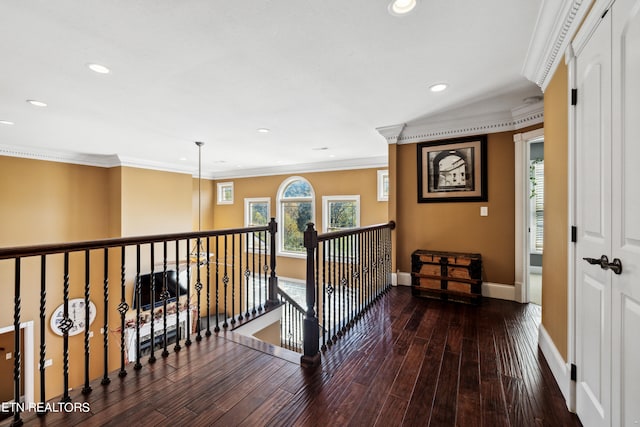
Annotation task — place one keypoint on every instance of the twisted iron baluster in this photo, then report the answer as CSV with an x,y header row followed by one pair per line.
x,y
43,348
241,275
187,342
233,280
65,326
165,297
152,309
198,291
138,291
87,279
17,420
123,307
177,347
217,328
105,328
225,281
208,334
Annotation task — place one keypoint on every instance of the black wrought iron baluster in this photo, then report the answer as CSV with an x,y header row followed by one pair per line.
x,y
138,291
323,286
43,346
152,309
247,274
165,300
87,283
105,327
263,268
208,334
336,289
187,341
198,292
233,279
123,307
241,272
253,273
352,280
177,347
17,419
217,328
65,325
225,281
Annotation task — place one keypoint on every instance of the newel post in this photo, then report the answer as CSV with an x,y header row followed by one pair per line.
x,y
311,330
272,298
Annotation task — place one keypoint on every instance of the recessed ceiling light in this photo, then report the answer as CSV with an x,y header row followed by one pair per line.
x,y
36,103
332,155
183,159
264,130
438,87
6,122
100,69
401,7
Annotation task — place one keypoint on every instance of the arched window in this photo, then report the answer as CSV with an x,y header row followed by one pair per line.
x,y
296,208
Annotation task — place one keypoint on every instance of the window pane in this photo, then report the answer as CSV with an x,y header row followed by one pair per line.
x,y
342,214
295,216
258,213
297,189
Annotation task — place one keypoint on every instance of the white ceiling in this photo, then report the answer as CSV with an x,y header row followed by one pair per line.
x,y
316,73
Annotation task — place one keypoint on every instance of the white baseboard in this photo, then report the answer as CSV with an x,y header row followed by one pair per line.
x,y
490,290
559,368
403,279
499,291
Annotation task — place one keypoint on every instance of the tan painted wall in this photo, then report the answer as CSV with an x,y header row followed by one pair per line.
x,y
155,202
458,226
556,227
361,181
50,202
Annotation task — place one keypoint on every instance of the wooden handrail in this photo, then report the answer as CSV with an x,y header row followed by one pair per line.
x,y
56,248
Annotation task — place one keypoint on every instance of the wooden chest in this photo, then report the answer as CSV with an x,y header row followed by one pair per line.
x,y
447,275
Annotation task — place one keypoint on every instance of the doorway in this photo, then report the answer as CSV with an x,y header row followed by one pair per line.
x,y
529,215
7,360
535,227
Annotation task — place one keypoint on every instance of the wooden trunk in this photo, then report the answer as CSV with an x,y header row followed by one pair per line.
x,y
447,275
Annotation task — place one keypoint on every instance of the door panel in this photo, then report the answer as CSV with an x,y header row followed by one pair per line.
x,y
626,212
593,217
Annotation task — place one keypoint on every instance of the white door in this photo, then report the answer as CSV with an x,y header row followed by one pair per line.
x,y
626,213
593,217
608,216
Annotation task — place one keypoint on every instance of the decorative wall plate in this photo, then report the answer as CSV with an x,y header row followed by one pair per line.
x,y
76,315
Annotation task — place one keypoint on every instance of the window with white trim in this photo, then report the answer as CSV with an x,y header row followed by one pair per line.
x,y
536,197
383,185
340,212
257,212
296,208
225,193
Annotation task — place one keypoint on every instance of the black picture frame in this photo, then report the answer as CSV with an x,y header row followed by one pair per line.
x,y
453,170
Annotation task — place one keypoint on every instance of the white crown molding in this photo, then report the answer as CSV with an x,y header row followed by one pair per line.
x,y
336,165
105,161
110,161
518,118
391,133
557,23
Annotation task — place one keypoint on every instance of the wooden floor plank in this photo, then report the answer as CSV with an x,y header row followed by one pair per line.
x,y
407,361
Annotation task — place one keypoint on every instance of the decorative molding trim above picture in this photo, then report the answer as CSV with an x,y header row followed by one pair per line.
x,y
518,118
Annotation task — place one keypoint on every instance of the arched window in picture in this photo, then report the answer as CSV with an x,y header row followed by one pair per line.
x,y
296,208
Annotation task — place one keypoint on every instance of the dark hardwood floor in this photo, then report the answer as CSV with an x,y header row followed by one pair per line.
x,y
408,361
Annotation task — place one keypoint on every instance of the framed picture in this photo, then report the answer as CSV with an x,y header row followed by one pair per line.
x,y
453,170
